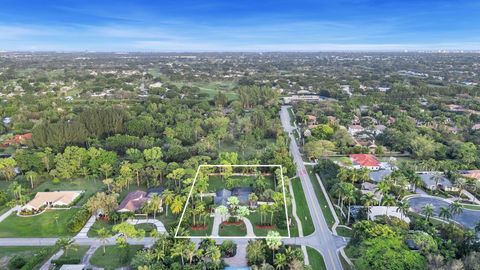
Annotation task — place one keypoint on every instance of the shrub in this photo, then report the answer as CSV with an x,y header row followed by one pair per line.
x,y
17,262
62,261
78,221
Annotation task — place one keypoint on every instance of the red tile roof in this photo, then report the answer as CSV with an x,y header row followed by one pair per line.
x,y
365,160
17,139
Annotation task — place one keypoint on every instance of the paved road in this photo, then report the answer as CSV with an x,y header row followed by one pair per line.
x,y
468,218
322,239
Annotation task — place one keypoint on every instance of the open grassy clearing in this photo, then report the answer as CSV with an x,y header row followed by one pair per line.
x,y
342,231
251,149
207,232
303,212
216,183
114,257
232,230
471,206
321,198
147,227
315,259
43,225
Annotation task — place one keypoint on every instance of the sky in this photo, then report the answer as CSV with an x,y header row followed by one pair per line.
x,y
239,25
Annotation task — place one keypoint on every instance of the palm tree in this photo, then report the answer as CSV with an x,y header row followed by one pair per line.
x,y
437,177
106,169
460,183
349,197
32,176
155,204
403,207
108,182
388,201
103,235
368,200
65,243
189,251
415,181
364,174
273,241
343,174
338,191
178,250
456,208
280,261
427,210
384,188
177,204
445,213
168,197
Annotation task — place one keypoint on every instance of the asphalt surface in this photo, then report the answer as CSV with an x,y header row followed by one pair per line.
x,y
469,218
322,239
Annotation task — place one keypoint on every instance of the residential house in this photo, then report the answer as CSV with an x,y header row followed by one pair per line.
x,y
432,184
133,201
311,119
355,129
73,267
51,199
365,161
379,176
242,193
472,174
17,139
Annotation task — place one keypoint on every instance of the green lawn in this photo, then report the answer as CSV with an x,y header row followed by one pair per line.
x,y
342,231
6,253
254,218
303,212
471,206
207,232
147,227
112,258
232,230
215,182
74,254
43,225
315,259
321,198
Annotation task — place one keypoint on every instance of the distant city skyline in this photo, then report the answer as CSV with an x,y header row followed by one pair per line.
x,y
250,26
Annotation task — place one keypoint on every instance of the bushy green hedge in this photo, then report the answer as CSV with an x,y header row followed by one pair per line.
x,y
78,221
38,257
63,261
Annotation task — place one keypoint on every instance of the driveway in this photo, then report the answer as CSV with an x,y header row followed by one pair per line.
x,y
468,218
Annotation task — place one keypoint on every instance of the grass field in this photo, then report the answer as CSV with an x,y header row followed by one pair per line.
x,y
321,198
232,230
112,259
147,227
43,225
207,232
303,212
471,206
215,182
315,259
342,231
